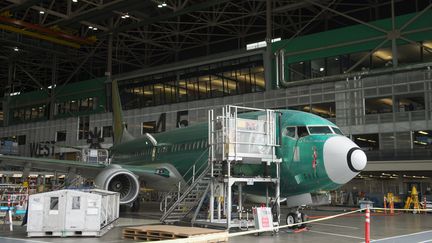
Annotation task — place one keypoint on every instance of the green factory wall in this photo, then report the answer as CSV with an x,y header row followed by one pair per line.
x,y
353,39
94,88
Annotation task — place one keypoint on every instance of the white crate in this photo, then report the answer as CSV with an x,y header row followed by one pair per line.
x,y
72,213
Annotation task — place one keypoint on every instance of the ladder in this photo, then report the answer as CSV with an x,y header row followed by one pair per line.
x,y
192,197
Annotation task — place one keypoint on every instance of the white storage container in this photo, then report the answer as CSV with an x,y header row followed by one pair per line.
x,y
72,213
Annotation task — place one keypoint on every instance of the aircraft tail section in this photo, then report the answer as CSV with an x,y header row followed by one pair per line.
x,y
120,132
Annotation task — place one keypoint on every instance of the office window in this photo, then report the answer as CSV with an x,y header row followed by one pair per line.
x,y
363,59
410,102
86,104
21,139
382,58
107,131
318,68
427,51
326,110
367,142
333,65
73,107
61,136
410,53
83,127
378,105
299,71
422,139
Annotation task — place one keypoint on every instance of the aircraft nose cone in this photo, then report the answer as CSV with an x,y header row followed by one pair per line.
x,y
343,159
356,159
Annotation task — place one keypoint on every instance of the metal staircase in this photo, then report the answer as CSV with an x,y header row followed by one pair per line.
x,y
192,197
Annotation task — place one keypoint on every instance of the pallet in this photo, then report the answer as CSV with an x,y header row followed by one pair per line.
x,y
169,232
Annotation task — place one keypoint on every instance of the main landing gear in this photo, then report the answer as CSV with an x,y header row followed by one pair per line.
x,y
295,218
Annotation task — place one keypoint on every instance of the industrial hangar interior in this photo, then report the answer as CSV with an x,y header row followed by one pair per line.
x,y
215,121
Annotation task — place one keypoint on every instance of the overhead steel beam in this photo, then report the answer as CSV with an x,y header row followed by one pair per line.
x,y
99,12
19,5
155,19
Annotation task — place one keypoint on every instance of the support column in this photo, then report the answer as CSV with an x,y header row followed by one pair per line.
x,y
278,192
108,72
8,90
395,34
228,204
53,84
268,57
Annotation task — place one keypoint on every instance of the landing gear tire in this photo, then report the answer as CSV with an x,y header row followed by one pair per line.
x,y
303,218
291,219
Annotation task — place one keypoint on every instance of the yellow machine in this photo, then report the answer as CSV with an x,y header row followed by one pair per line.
x,y
413,199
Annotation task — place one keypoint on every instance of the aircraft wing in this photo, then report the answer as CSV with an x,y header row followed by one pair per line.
x,y
157,175
85,169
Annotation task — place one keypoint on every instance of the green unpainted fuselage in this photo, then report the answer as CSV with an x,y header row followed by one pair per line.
x,y
303,172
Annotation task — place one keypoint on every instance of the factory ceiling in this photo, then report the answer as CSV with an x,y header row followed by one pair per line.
x,y
46,42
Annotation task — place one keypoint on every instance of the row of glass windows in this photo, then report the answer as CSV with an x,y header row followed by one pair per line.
x,y
410,53
398,103
71,106
41,111
29,113
233,77
399,140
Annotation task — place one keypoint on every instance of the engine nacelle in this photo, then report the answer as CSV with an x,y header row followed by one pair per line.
x,y
119,180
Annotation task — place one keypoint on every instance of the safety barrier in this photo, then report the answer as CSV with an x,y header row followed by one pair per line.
x,y
211,238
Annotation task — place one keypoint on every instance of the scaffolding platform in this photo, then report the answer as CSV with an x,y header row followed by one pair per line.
x,y
237,136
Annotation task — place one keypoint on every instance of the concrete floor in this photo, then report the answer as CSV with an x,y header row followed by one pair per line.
x,y
398,228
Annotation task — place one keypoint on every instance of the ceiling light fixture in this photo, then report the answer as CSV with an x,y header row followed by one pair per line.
x,y
423,132
16,48
74,1
164,4
90,27
94,28
160,6
41,12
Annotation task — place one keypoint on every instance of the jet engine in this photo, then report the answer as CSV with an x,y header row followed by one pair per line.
x,y
119,180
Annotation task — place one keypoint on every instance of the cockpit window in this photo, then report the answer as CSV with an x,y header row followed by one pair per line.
x,y
337,131
302,132
290,132
320,130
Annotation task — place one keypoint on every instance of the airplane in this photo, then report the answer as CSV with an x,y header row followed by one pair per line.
x,y
316,156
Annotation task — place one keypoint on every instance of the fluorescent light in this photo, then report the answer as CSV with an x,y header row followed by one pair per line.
x,y
260,44
423,132
126,15
16,49
164,4
160,6
51,86
94,28
123,17
14,93
41,12
321,69
90,27
74,1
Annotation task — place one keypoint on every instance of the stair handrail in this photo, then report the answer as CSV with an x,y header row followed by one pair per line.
x,y
178,190
183,196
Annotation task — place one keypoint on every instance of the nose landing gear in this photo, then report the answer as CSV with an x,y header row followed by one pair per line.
x,y
296,218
